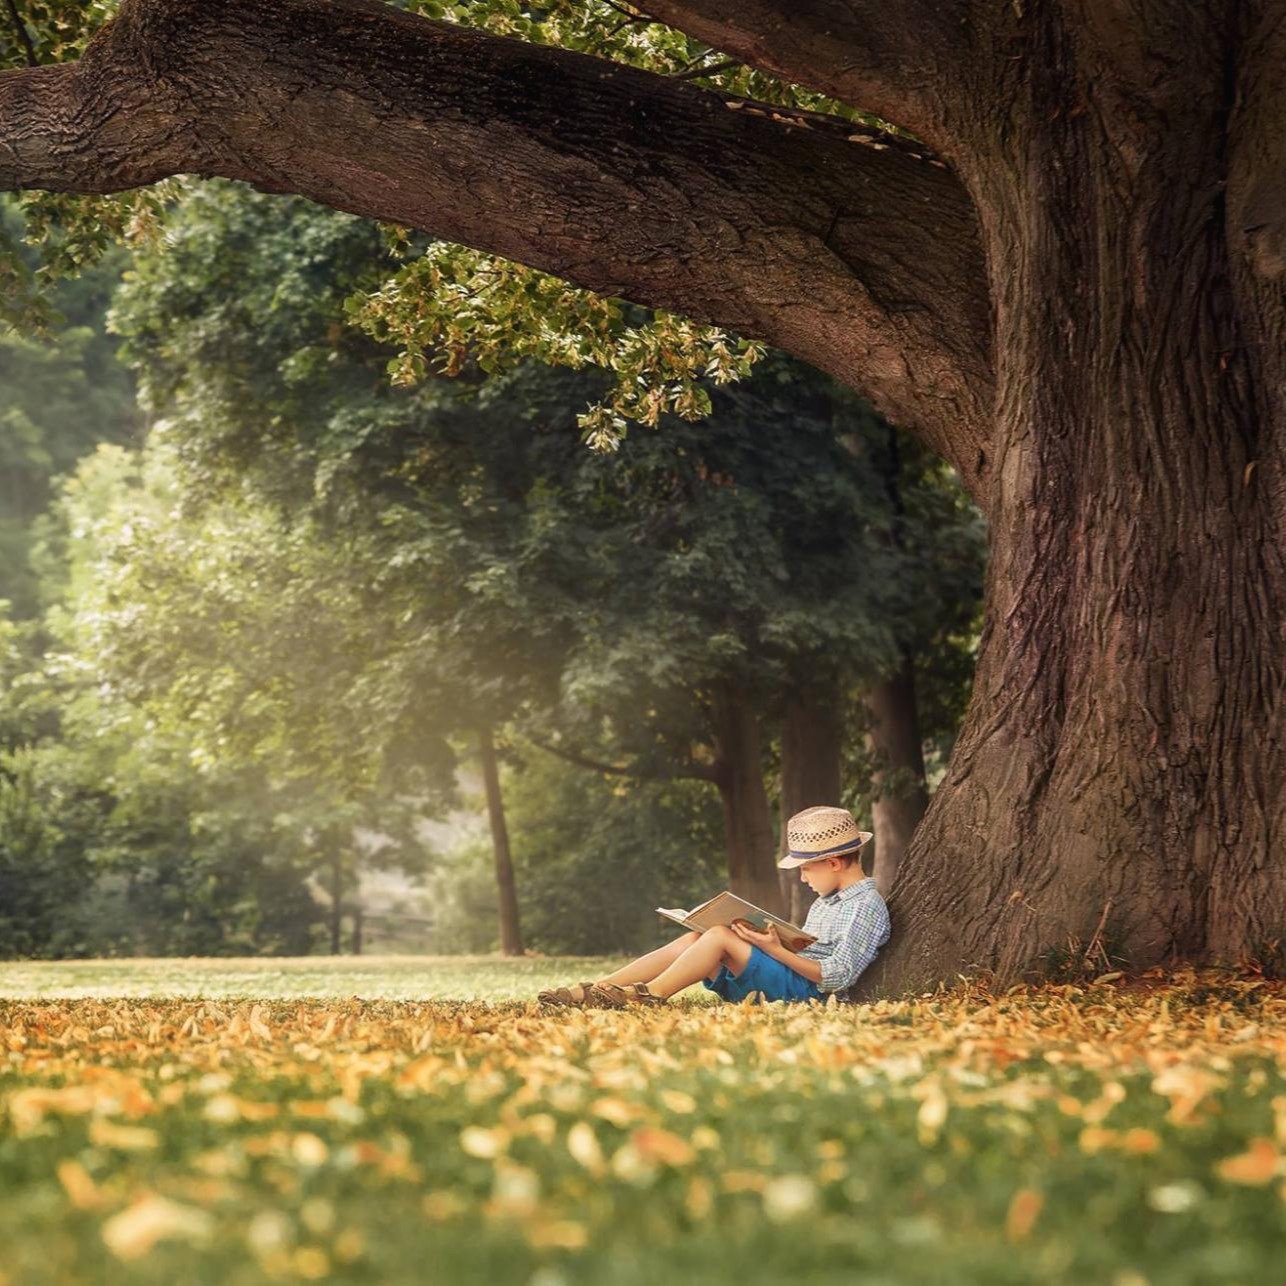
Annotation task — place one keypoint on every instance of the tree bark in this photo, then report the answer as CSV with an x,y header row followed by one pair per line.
x,y
506,894
747,817
1123,759
899,794
893,60
810,775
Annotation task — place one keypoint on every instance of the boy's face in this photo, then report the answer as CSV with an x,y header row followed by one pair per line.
x,y
823,875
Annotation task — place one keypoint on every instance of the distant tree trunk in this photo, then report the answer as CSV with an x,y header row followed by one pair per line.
x,y
747,817
810,775
898,788
336,897
359,915
506,894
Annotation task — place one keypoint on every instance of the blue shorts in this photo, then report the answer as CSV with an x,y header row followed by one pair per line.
x,y
763,973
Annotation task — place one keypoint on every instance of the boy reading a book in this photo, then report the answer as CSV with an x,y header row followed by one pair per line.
x,y
848,920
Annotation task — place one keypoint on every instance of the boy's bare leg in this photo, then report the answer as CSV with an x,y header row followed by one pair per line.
x,y
702,959
647,967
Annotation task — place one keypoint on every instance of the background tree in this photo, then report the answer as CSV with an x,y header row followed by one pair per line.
x,y
112,842
595,854
749,588
63,393
675,590
194,840
240,632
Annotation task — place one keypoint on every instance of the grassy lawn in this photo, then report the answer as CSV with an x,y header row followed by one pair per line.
x,y
1090,1135
320,977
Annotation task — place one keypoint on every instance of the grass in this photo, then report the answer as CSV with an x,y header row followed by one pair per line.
x,y
277,978
1104,1134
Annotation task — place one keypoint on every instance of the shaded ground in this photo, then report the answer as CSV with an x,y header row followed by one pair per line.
x,y
1054,1135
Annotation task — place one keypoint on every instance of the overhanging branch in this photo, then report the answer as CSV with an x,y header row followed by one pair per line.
x,y
691,772
850,249
892,60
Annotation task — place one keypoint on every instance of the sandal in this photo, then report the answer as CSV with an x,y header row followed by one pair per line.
x,y
637,993
580,995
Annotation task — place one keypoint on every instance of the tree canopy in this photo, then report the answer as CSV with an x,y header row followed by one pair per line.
x,y
509,573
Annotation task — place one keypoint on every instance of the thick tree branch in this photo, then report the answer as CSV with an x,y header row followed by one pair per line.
x,y
691,772
857,254
894,60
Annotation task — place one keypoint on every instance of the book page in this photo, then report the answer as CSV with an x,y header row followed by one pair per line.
x,y
675,913
726,907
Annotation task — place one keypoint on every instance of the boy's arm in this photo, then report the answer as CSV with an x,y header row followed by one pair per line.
x,y
769,943
867,931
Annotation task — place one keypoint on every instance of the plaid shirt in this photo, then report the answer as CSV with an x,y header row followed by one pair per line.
x,y
850,926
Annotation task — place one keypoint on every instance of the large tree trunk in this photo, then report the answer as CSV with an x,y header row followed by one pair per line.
x,y
899,794
810,775
506,892
1123,760
747,817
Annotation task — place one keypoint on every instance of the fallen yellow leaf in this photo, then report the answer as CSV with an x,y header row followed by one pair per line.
x,y
662,1146
482,1143
1024,1209
582,1143
1139,1141
678,1102
309,1150
79,1186
561,1234
1255,1167
616,1110
226,1109
932,1115
125,1138
133,1232
28,1108
311,1263
700,1197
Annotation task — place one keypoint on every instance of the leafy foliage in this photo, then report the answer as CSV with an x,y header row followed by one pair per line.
x,y
124,828
36,862
269,646
457,303
52,31
62,392
756,543
599,853
448,301
1106,1133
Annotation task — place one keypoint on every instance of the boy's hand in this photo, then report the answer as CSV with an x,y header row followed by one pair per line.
x,y
747,932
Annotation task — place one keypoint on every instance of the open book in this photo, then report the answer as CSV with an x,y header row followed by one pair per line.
x,y
725,907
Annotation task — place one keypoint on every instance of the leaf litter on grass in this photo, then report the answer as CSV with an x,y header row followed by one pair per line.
x,y
1106,1132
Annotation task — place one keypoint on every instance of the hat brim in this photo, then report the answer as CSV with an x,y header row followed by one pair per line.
x,y
794,859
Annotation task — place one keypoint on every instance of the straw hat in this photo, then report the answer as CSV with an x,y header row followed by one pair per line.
x,y
822,832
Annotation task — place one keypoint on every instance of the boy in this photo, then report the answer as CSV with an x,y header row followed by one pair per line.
x,y
848,919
